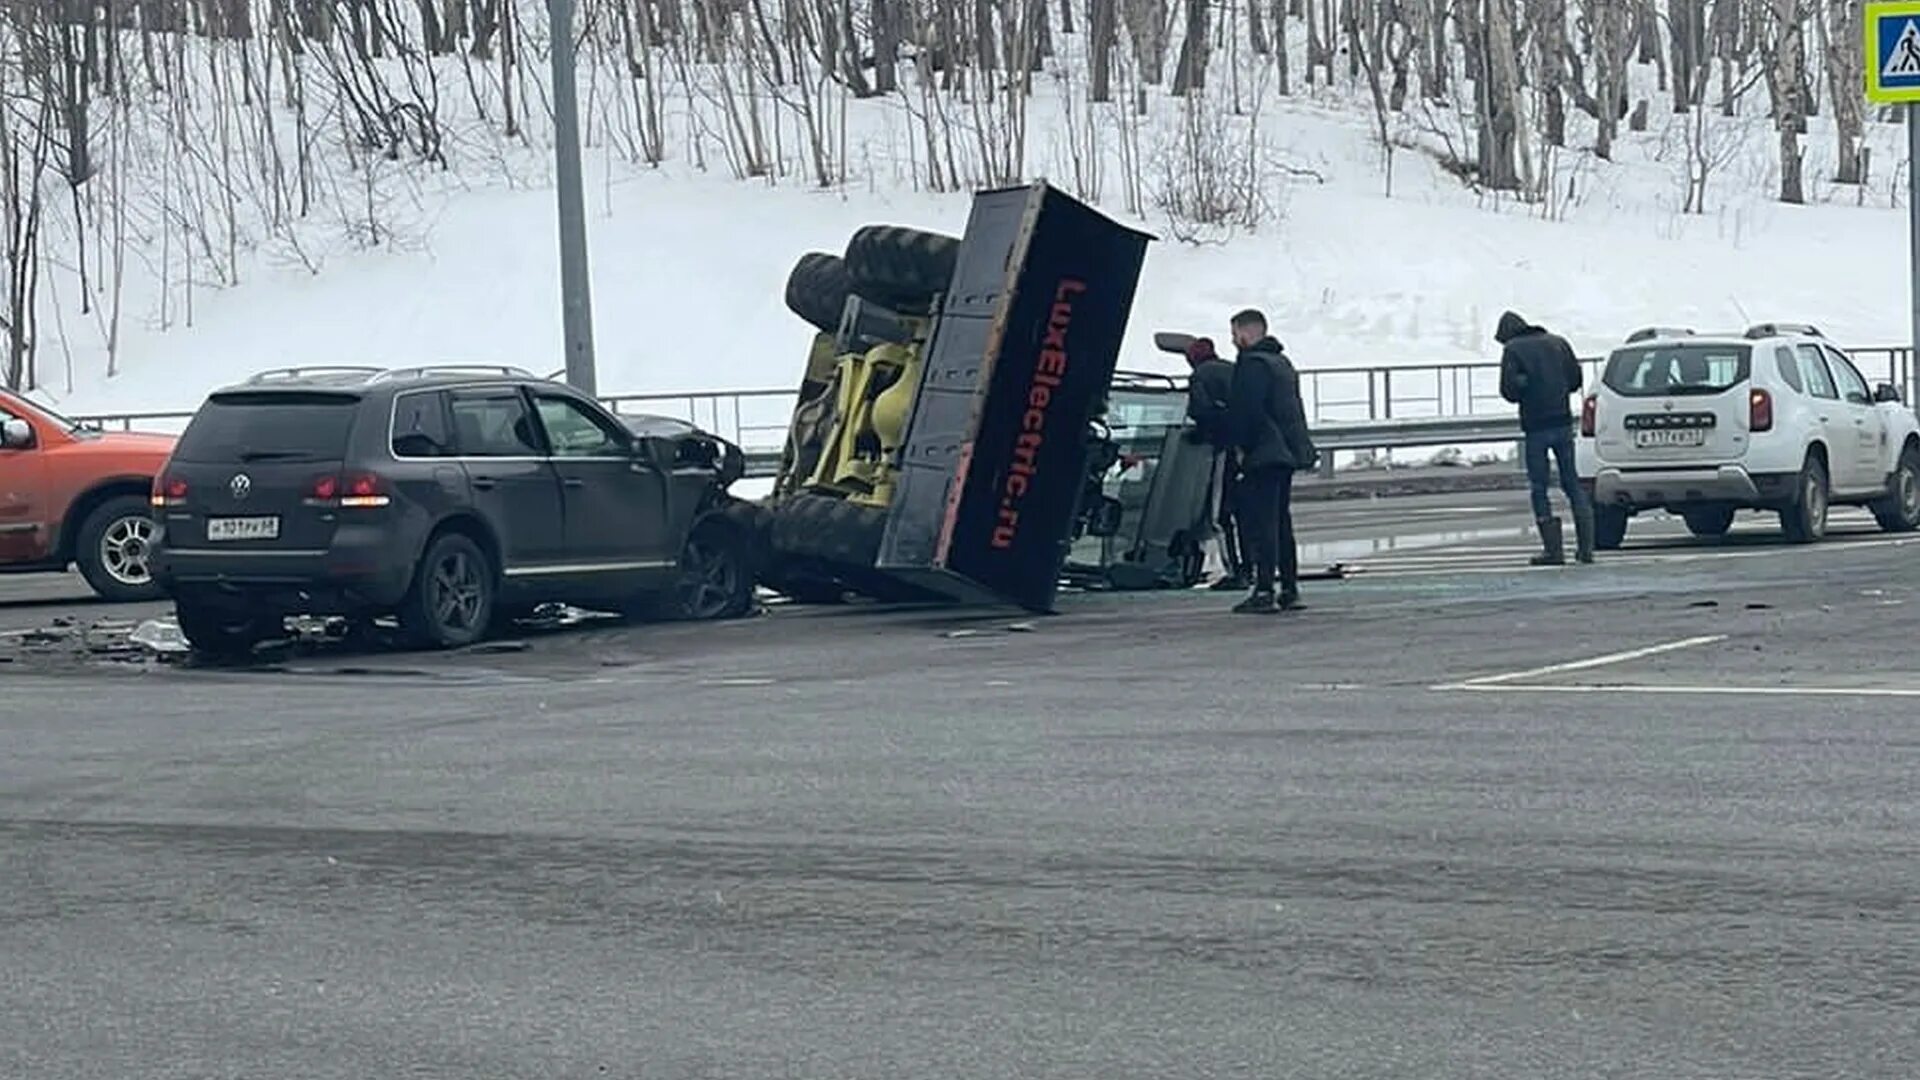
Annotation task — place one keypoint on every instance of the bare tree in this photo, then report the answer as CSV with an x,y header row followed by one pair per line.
x,y
1783,48
1839,27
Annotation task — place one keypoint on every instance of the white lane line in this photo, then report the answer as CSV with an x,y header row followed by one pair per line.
x,y
1484,681
1752,691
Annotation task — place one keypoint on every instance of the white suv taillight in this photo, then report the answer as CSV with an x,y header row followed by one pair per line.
x,y
1759,410
1588,408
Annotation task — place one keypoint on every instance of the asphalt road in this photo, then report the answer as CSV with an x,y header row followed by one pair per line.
x,y
1651,818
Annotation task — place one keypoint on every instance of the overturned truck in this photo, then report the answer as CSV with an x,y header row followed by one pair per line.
x,y
948,442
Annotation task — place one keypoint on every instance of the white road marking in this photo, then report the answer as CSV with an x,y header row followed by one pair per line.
x,y
1485,681
1731,691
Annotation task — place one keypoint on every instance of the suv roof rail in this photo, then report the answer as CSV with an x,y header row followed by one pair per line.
x,y
1783,329
422,370
1649,333
277,374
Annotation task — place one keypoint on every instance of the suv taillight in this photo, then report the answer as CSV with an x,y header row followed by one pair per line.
x,y
168,491
1588,407
349,490
1759,410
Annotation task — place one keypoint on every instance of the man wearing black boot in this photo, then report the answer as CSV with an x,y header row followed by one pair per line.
x,y
1270,430
1539,372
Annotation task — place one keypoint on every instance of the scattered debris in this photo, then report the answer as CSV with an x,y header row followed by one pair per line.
x,y
160,635
512,646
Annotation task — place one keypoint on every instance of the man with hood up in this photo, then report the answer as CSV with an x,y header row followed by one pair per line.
x,y
1270,431
1539,372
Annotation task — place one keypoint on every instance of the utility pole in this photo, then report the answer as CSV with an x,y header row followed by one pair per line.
x,y
576,290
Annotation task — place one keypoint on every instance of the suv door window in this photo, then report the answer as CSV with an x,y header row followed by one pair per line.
x,y
494,423
1852,386
1813,369
420,426
573,431
512,486
618,522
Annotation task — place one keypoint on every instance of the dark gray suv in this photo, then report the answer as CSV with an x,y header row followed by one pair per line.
x,y
452,498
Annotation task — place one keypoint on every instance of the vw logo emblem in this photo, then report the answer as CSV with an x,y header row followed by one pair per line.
x,y
240,485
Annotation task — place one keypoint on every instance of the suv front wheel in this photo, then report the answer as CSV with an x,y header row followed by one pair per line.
x,y
715,579
1805,521
1899,509
451,603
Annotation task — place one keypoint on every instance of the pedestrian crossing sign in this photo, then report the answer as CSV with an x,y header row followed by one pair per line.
x,y
1893,51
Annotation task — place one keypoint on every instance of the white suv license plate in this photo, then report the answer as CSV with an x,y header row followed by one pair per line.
x,y
243,528
1671,437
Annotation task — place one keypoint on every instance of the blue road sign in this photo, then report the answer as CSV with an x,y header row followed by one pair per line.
x,y
1893,51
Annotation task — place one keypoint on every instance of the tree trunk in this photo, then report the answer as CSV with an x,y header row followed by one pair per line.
x,y
1102,26
1840,31
1191,73
886,47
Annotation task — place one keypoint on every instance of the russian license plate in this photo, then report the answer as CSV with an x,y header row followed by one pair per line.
x,y
243,528
1670,437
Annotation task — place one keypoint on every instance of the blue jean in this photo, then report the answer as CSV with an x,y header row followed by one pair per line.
x,y
1558,442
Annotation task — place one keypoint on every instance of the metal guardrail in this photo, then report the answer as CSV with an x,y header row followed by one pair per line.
x,y
1352,408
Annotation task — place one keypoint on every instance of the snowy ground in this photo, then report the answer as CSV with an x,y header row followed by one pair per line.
x,y
688,269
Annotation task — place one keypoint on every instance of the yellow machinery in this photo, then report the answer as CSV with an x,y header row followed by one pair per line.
x,y
859,423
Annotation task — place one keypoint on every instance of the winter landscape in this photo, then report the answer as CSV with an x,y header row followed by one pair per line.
x,y
195,189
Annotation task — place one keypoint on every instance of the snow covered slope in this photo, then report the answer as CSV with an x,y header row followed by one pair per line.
x,y
688,267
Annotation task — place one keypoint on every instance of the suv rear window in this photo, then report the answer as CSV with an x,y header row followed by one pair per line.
x,y
1664,370
276,426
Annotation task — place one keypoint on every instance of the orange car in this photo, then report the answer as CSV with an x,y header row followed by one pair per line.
x,y
72,496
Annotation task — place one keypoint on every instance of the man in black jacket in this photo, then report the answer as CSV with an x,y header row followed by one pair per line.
x,y
1270,431
1208,390
1539,372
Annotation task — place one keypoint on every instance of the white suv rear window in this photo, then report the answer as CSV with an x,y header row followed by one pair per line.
x,y
1670,370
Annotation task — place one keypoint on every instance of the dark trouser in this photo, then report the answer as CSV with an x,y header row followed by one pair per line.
x,y
1266,527
1226,477
1559,443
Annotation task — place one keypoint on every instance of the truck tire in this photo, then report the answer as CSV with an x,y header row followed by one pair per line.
x,y
817,290
828,530
899,268
114,550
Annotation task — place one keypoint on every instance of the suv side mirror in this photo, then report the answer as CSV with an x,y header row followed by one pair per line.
x,y
654,451
15,434
1886,393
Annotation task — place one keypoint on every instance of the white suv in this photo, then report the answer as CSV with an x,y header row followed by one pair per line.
x,y
1772,419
